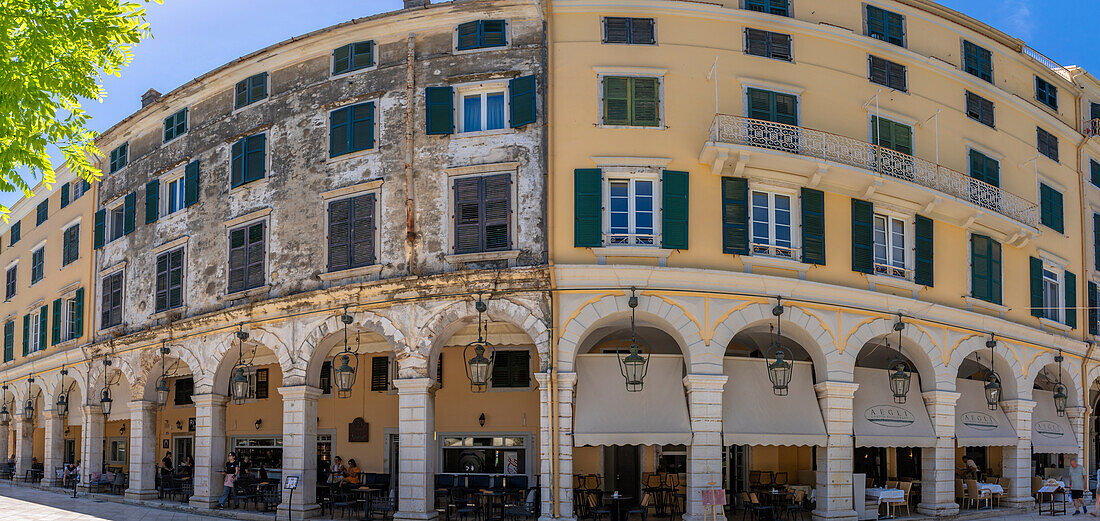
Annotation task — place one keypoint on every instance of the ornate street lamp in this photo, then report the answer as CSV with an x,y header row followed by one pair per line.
x,y
992,379
343,374
1060,393
61,407
28,409
633,366
479,368
162,381
238,384
5,414
779,370
105,400
901,373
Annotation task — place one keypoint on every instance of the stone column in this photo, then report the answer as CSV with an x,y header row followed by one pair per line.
x,y
835,460
5,440
91,442
210,452
53,453
300,450
1017,460
416,428
938,463
1077,420
704,395
566,385
24,444
143,450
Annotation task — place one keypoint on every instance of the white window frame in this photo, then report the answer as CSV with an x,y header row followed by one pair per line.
x,y
177,175
908,228
482,89
76,189
631,175
109,224
112,445
635,72
771,250
34,344
1054,312
68,318
40,247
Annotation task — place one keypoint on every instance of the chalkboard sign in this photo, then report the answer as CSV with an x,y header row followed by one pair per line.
x,y
359,431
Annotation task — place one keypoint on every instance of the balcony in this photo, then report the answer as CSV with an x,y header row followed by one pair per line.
x,y
875,169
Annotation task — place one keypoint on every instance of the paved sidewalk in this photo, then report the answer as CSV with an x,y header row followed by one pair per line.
x,y
30,504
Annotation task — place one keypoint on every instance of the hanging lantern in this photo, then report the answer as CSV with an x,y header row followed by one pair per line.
x,y
61,408
633,366
992,380
900,374
1060,392
28,410
105,402
343,373
780,370
479,368
162,392
5,415
239,384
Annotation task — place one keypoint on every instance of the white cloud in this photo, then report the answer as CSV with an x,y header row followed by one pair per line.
x,y
1017,17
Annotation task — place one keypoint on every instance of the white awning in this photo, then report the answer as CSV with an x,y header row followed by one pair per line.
x,y
975,424
607,414
1050,433
753,415
879,422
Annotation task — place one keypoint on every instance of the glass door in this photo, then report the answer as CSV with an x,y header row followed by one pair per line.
x,y
184,447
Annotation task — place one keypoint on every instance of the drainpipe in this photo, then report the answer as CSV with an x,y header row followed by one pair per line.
x,y
555,407
410,204
1083,283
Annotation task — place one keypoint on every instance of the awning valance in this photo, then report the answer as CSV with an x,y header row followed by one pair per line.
x,y
879,422
1050,433
753,415
975,424
606,414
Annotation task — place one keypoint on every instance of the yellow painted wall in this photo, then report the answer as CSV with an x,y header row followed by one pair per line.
x,y
782,459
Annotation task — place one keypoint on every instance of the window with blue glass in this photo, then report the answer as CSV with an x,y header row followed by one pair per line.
x,y
631,212
174,193
1046,93
884,25
770,215
481,34
119,157
483,108
776,7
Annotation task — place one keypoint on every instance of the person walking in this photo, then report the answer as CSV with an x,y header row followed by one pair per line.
x,y
231,473
1078,482
1096,507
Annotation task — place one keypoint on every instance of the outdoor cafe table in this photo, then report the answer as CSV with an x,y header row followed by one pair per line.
x,y
363,495
618,506
1053,493
494,501
885,495
991,488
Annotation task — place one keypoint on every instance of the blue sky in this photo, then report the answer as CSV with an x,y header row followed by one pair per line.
x,y
191,37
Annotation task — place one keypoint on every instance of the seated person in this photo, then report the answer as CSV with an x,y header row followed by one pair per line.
x,y
351,476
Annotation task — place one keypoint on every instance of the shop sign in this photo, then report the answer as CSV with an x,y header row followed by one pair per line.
x,y
1049,429
889,416
979,421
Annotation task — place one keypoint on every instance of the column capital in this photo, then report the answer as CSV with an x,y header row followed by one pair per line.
x,y
300,392
941,398
834,389
1076,412
50,414
209,400
143,404
565,380
704,382
414,385
1017,405
91,409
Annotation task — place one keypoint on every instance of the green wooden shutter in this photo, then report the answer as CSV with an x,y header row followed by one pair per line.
x,y
9,341
341,59
338,123
56,337
1036,278
985,268
674,210
152,201
255,148
492,33
98,233
1071,300
616,100
440,110
587,208
863,258
468,35
43,321
1092,300
924,245
735,215
26,334
1096,240
521,92
78,310
129,213
236,164
645,102
813,226
191,183
361,136
65,195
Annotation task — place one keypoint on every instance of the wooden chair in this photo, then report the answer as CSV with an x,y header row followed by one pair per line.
x,y
960,492
797,505
758,509
904,502
746,504
595,511
643,507
974,496
779,478
891,483
870,482
1006,484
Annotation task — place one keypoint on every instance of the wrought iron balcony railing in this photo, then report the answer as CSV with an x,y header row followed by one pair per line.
x,y
738,130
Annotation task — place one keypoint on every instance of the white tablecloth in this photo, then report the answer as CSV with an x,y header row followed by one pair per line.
x,y
990,488
883,495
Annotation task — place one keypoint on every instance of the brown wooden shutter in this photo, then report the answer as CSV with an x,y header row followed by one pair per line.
x,y
339,242
362,231
261,384
238,258
380,373
255,274
497,211
879,72
756,42
467,216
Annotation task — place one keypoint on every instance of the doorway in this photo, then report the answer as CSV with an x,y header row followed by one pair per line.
x,y
70,452
183,448
395,458
621,466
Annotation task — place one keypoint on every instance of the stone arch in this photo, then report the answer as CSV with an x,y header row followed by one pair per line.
x,y
657,311
57,384
1072,383
804,328
1006,361
226,343
146,387
452,317
917,345
321,329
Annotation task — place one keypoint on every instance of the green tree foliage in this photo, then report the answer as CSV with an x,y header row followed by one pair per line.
x,y
54,54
